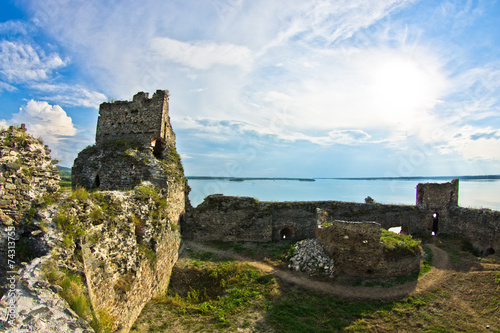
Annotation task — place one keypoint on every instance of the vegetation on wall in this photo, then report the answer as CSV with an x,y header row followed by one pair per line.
x,y
399,243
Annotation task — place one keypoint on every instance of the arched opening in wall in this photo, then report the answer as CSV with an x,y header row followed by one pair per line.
x,y
286,233
97,181
489,252
158,148
435,223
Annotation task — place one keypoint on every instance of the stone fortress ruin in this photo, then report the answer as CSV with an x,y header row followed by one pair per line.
x,y
142,125
134,254
144,122
130,233
354,236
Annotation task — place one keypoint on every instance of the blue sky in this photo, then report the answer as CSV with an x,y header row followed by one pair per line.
x,y
267,88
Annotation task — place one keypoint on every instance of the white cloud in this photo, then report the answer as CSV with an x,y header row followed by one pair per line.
x,y
54,126
71,95
224,131
15,27
20,62
335,21
47,121
340,72
202,55
7,87
348,137
371,89
473,143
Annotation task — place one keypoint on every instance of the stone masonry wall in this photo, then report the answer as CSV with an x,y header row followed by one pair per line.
x,y
231,218
141,120
435,196
357,250
246,219
27,172
481,227
134,142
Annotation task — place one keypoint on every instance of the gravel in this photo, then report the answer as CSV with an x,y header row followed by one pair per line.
x,y
308,256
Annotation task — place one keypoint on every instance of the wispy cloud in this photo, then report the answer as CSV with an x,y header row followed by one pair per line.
x,y
70,95
20,62
6,87
326,74
202,55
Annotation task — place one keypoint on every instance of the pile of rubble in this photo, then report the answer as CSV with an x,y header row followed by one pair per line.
x,y
308,256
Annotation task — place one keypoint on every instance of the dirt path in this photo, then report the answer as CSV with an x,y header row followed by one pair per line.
x,y
436,276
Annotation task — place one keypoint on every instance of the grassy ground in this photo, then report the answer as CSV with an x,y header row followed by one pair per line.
x,y
213,294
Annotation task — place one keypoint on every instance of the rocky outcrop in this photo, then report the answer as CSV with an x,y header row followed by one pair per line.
x,y
27,174
124,244
31,303
121,165
124,236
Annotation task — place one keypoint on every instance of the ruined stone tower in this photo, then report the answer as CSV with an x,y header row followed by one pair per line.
x,y
143,120
134,143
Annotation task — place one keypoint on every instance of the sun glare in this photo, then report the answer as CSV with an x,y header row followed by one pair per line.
x,y
401,87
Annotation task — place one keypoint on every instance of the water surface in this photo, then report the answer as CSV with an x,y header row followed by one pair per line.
x,y
472,193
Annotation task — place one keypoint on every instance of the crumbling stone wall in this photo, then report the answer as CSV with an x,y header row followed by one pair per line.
x,y
134,142
480,227
27,173
434,196
143,120
229,218
357,250
232,218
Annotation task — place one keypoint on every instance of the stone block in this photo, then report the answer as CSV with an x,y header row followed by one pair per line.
x,y
5,202
13,166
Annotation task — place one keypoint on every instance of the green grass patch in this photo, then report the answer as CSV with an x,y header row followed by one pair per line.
x,y
74,292
399,243
218,293
426,262
311,312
